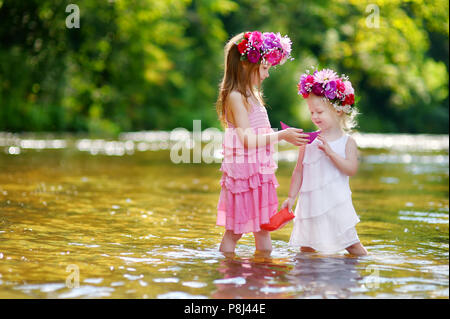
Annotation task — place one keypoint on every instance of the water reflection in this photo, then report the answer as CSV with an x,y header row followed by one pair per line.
x,y
139,226
319,276
306,275
252,277
427,217
130,142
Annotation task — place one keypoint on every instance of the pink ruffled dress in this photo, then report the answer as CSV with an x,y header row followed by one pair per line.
x,y
248,196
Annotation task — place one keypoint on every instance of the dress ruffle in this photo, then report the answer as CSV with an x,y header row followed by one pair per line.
x,y
322,200
325,217
248,197
240,185
246,170
244,211
329,232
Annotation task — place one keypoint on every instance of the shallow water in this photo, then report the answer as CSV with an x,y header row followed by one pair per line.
x,y
93,218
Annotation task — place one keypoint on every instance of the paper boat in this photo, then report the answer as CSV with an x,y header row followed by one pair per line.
x,y
278,220
312,135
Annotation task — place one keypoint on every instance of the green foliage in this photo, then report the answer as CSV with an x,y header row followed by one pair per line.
x,y
156,64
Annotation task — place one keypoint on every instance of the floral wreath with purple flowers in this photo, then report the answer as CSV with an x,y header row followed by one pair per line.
x,y
267,47
326,83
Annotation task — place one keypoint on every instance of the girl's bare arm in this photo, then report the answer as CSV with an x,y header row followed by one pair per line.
x,y
296,181
246,134
297,175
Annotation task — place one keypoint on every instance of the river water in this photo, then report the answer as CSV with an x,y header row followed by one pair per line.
x,y
131,218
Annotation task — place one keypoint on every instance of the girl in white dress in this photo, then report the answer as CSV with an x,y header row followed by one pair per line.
x,y
325,218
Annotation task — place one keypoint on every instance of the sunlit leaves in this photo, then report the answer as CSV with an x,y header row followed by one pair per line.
x,y
156,64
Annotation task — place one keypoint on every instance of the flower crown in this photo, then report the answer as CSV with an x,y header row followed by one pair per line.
x,y
326,83
267,47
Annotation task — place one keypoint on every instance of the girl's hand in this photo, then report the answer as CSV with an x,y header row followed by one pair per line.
x,y
293,135
289,203
325,147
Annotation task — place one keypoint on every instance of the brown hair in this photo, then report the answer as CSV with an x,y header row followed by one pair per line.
x,y
237,76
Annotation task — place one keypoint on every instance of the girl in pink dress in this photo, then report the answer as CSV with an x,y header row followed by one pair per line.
x,y
248,195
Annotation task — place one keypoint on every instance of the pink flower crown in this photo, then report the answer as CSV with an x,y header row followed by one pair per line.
x,y
326,83
267,47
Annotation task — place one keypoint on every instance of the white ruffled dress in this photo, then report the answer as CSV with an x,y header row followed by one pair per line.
x,y
325,218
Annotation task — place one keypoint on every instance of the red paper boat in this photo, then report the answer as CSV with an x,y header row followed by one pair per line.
x,y
278,220
312,135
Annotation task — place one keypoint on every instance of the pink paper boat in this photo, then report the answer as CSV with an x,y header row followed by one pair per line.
x,y
312,135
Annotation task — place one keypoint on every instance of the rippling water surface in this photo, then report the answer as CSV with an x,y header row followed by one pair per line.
x,y
123,219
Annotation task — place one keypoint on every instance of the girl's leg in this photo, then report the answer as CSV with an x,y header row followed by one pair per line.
x,y
357,249
229,241
263,241
307,249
